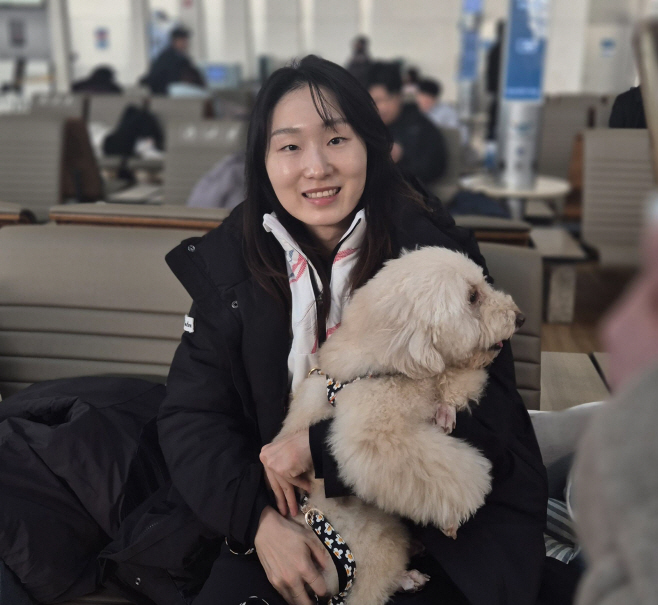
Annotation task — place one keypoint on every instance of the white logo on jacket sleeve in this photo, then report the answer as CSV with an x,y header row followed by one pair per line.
x,y
188,326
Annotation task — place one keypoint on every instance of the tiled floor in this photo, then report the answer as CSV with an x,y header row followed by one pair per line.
x,y
596,291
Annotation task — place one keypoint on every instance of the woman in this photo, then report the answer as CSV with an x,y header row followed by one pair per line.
x,y
325,207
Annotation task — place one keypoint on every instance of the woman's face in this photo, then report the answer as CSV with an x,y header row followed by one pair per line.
x,y
318,172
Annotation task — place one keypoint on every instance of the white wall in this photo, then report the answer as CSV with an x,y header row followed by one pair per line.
x,y
608,62
86,17
423,32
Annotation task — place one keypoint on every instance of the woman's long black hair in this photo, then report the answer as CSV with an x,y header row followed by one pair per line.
x,y
384,185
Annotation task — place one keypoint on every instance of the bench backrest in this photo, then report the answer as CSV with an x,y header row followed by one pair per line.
x,y
31,150
193,148
563,117
617,178
107,109
518,271
78,300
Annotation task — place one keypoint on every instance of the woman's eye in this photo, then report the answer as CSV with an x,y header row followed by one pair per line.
x,y
289,148
337,140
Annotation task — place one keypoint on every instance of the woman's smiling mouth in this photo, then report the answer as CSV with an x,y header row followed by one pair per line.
x,y
321,194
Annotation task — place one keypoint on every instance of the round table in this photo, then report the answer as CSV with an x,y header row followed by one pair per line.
x,y
546,188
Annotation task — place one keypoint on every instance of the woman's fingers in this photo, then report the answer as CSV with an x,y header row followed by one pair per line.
x,y
288,490
319,553
303,482
280,497
316,583
284,492
299,596
288,457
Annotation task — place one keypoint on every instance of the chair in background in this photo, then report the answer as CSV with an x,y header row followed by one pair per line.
x,y
31,154
13,214
46,160
518,271
617,177
138,215
495,229
193,148
73,302
563,117
59,105
107,109
169,109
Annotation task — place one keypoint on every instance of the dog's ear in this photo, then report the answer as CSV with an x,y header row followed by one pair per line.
x,y
415,355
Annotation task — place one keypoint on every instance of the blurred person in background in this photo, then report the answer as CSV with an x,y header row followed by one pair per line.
x,y
191,85
494,61
410,82
615,479
360,62
171,64
628,110
419,148
442,114
100,81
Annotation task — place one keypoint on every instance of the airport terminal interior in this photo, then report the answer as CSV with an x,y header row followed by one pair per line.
x,y
124,127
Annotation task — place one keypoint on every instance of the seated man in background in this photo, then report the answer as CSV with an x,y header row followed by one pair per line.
x,y
172,64
419,150
428,98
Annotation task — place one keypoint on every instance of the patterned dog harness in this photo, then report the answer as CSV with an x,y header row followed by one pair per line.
x,y
315,519
336,547
333,386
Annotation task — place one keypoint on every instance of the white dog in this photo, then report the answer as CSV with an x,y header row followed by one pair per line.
x,y
410,353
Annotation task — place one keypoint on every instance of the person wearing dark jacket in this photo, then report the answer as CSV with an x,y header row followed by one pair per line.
x,y
419,150
325,208
100,81
318,168
628,110
172,65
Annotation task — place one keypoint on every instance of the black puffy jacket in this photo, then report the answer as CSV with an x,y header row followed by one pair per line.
x,y
227,395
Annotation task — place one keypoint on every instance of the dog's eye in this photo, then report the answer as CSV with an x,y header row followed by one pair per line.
x,y
473,298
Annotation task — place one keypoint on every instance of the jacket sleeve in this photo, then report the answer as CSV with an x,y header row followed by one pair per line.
x,y
210,446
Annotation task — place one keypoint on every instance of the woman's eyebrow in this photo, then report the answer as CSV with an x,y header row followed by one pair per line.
x,y
333,122
289,130
328,125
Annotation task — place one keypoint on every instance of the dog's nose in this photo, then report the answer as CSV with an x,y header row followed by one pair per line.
x,y
520,320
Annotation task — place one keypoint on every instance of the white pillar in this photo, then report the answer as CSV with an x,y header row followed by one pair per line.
x,y
139,18
216,40
259,26
306,20
366,8
251,69
192,16
60,43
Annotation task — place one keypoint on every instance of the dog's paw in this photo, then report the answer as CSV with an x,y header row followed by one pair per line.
x,y
412,581
446,417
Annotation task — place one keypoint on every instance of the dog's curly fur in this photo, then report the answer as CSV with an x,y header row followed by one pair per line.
x,y
425,326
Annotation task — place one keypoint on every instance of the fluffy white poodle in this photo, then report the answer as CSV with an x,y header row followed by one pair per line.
x,y
418,336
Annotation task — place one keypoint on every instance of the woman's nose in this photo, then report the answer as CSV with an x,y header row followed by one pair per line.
x,y
316,164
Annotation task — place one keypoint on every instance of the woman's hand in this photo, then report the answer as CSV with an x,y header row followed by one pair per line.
x,y
286,461
292,557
